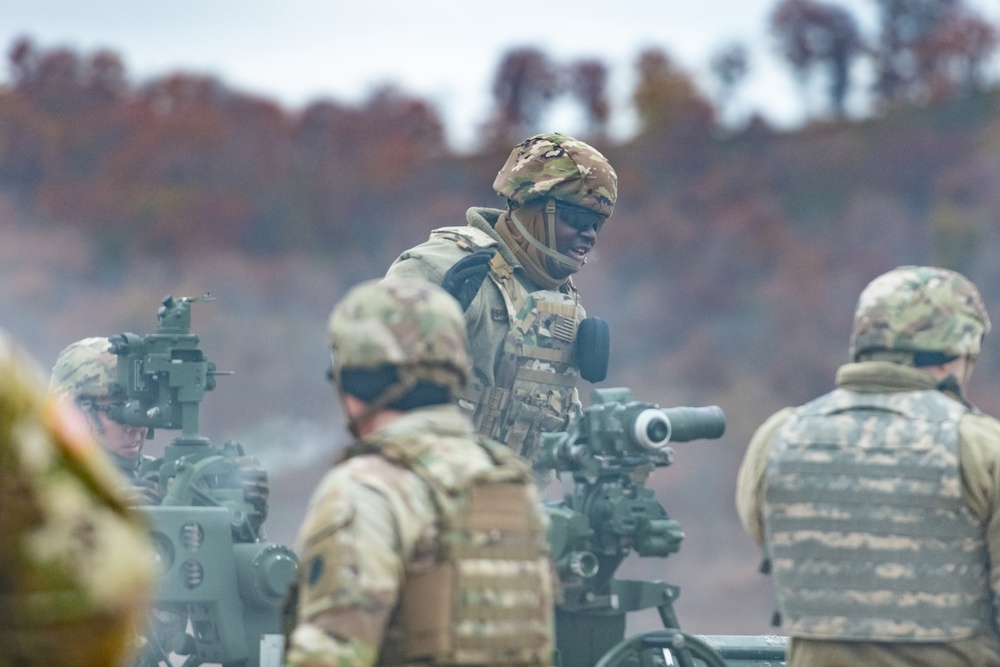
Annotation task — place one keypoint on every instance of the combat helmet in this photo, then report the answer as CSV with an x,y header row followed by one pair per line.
x,y
920,309
412,325
555,165
86,369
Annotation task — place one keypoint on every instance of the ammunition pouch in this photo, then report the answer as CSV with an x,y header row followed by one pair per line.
x,y
482,604
593,347
536,378
534,387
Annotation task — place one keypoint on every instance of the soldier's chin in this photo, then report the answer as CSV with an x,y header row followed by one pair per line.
x,y
560,270
130,452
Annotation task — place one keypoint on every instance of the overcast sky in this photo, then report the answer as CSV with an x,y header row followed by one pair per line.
x,y
447,51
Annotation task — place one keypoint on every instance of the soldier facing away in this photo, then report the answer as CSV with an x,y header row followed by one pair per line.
x,y
523,322
426,544
878,504
75,566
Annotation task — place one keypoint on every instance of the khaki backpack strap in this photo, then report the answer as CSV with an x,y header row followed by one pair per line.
x,y
513,293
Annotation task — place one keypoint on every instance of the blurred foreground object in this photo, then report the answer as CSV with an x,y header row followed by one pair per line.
x,y
76,567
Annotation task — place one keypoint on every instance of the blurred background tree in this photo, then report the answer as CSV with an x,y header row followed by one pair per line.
x,y
817,35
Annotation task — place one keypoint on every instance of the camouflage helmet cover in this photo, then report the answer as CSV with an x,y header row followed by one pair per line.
x,y
920,308
411,324
86,369
555,165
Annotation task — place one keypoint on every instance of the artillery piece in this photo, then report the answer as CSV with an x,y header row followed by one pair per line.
x,y
609,451
218,576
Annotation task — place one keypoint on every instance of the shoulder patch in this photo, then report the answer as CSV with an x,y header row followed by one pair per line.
x,y
465,237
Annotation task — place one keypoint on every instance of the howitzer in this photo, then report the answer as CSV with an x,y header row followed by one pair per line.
x,y
217,572
609,451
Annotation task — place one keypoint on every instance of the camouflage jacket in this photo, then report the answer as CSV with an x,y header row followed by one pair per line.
x,y
370,525
979,458
488,319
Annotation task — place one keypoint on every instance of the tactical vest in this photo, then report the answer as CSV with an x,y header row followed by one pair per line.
x,y
488,598
869,535
536,378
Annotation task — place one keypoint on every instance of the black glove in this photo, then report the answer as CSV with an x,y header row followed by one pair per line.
x,y
464,279
144,491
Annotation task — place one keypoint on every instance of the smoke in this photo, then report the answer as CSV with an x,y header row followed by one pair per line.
x,y
286,445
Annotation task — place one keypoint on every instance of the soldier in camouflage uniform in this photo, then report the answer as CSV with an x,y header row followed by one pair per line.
x,y
878,504
87,371
75,567
426,544
523,321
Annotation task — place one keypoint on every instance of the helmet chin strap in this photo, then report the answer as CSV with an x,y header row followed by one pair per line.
x,y
952,386
379,403
567,262
409,377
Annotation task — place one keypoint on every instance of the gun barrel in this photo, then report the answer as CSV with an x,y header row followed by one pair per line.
x,y
702,423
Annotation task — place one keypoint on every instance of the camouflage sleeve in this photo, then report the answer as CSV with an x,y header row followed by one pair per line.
x,y
355,538
979,460
750,480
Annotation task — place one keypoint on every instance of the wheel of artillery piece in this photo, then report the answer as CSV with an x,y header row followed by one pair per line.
x,y
662,648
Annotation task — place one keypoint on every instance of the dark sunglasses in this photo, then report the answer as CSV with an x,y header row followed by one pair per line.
x,y
580,219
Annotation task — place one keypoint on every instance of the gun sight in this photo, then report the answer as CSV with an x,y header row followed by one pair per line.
x,y
164,375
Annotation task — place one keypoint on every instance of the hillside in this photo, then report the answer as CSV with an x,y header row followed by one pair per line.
x,y
728,273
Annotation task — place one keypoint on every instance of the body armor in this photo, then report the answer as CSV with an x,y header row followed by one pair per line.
x,y
537,373
870,537
484,601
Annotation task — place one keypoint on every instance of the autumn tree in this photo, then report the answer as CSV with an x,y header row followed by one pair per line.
x,y
666,99
928,49
903,25
951,57
588,84
814,35
730,65
525,84
61,81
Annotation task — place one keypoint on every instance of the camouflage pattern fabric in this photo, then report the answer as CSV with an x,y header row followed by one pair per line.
x,y
978,459
486,319
372,525
491,316
539,372
869,536
555,165
85,368
920,308
75,566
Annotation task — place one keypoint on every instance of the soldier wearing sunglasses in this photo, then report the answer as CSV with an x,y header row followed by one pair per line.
x,y
510,269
